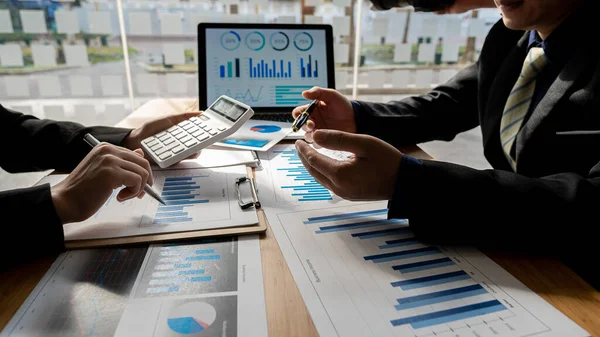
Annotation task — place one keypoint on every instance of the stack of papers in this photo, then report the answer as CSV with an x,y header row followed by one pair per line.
x,y
213,158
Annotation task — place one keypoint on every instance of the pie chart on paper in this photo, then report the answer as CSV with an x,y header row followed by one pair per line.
x,y
191,318
265,128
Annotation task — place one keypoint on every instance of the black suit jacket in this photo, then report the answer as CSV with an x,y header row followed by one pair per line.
x,y
549,204
31,144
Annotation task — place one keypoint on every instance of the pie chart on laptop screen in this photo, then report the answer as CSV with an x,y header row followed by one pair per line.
x,y
191,318
265,128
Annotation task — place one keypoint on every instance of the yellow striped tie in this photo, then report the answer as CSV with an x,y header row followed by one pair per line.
x,y
519,100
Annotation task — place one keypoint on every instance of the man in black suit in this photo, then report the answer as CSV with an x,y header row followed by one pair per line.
x,y
533,91
30,144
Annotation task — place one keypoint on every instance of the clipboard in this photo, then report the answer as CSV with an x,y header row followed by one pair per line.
x,y
257,228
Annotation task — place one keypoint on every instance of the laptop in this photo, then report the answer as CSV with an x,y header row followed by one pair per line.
x,y
266,66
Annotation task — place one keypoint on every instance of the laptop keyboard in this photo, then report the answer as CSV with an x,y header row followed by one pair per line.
x,y
285,117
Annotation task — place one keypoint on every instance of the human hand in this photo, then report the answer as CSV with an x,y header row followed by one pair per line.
x,y
104,169
333,111
462,6
134,140
370,174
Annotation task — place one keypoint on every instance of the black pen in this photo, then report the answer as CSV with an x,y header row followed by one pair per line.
x,y
92,141
303,117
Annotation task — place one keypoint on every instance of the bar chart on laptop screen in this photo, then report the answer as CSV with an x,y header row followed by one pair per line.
x,y
372,277
265,67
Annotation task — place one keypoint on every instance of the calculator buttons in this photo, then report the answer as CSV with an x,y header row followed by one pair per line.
x,y
193,129
152,143
191,143
187,126
176,131
173,128
165,156
156,147
149,140
185,139
161,151
203,137
178,149
221,128
160,134
181,135
197,133
212,132
169,141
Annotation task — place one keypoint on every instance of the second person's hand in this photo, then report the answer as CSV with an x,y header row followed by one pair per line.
x,y
370,174
334,111
104,169
134,139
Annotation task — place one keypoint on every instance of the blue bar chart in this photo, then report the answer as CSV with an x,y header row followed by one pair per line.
x,y
269,68
309,67
179,194
290,94
424,290
297,183
185,269
230,70
176,270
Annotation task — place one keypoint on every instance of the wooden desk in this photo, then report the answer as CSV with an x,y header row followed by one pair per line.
x,y
286,313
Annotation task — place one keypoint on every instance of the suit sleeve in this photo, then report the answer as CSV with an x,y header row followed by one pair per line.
x,y
31,144
441,114
496,209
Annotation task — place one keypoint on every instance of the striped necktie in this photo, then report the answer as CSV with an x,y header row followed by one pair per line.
x,y
519,101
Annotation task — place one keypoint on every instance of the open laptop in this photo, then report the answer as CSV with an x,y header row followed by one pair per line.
x,y
266,66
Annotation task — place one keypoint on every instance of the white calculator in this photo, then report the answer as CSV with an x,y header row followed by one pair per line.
x,y
222,118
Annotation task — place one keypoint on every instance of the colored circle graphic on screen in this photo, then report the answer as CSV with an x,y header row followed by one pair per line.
x,y
265,128
191,318
255,41
303,41
230,40
279,41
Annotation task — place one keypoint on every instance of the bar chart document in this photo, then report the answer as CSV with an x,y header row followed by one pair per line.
x,y
208,287
361,274
83,294
283,179
196,199
212,289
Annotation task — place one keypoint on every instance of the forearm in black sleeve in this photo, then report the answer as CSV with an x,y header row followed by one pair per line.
x,y
30,220
31,144
449,204
439,115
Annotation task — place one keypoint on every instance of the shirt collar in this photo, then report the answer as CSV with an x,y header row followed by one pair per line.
x,y
559,45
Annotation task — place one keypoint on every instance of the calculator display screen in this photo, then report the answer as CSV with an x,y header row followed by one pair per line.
x,y
228,109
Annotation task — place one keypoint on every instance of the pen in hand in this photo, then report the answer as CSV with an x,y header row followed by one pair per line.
x,y
303,117
93,142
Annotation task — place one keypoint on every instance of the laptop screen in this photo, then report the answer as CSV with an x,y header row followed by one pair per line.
x,y
265,66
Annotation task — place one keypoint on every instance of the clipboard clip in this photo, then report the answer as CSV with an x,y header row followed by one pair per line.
x,y
255,202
